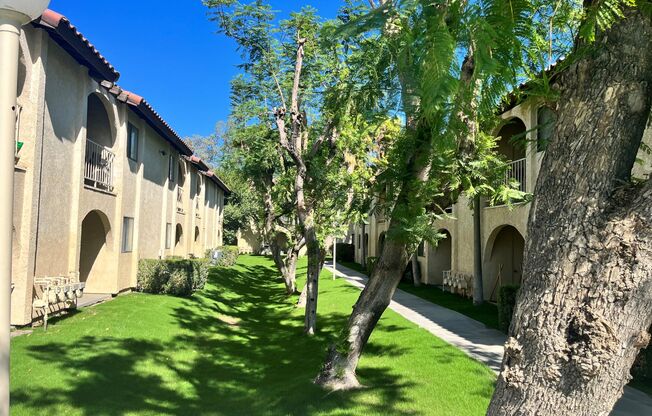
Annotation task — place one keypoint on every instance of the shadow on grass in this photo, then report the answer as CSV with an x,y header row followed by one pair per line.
x,y
235,348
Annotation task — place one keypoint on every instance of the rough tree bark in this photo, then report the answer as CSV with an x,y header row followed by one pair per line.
x,y
586,301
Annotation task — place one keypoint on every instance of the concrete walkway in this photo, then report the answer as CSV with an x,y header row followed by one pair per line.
x,y
474,338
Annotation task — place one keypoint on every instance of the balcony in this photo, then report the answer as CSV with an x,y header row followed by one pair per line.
x,y
98,167
516,171
180,200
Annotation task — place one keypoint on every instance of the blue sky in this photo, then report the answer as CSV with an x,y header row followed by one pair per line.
x,y
168,52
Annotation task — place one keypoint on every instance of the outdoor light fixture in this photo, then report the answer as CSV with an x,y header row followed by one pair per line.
x,y
13,15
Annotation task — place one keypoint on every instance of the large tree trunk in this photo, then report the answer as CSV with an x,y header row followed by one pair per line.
x,y
586,301
338,372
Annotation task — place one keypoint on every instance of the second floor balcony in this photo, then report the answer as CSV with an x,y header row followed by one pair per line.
x,y
517,171
98,167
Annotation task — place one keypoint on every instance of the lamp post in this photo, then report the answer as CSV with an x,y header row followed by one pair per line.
x,y
13,15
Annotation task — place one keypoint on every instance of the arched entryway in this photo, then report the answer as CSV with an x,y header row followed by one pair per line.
x,y
503,264
178,237
100,138
512,143
94,252
381,244
98,122
439,258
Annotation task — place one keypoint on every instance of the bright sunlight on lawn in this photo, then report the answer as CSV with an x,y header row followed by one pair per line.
x,y
235,349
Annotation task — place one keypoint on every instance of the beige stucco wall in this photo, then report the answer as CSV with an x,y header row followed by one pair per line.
x,y
502,245
51,198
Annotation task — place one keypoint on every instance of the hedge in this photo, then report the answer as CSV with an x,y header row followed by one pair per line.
x,y
225,256
177,277
506,303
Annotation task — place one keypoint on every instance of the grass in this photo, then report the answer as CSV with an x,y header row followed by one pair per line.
x,y
236,348
486,313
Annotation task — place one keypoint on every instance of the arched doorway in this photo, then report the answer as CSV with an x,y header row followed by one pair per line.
x,y
503,263
100,137
381,244
94,267
178,235
511,139
98,122
512,144
439,258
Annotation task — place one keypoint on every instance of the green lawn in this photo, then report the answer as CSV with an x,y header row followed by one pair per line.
x,y
235,349
486,313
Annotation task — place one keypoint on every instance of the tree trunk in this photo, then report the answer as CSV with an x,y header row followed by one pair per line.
x,y
301,302
338,372
586,301
312,284
416,271
284,266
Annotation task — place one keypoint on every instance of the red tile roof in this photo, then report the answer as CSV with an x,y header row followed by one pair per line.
x,y
147,112
68,37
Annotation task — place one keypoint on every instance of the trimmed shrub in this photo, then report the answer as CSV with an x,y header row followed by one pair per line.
x,y
152,276
179,284
371,263
178,277
345,252
200,269
225,256
506,303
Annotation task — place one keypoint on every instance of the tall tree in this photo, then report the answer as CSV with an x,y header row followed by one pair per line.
x,y
446,64
299,71
585,305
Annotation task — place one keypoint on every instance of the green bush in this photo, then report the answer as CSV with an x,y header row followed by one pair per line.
x,y
152,276
229,256
371,263
179,284
200,269
175,276
506,303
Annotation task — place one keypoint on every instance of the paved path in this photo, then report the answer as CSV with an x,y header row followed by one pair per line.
x,y
474,338
90,299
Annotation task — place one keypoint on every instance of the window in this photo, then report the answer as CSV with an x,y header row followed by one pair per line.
x,y
546,120
171,166
168,235
132,142
198,185
127,235
422,249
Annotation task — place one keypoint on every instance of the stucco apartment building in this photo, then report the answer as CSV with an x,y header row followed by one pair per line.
x,y
503,229
101,179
